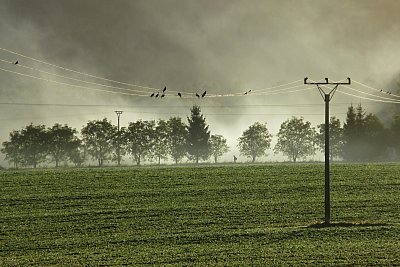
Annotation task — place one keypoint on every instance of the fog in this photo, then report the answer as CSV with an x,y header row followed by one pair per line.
x,y
223,47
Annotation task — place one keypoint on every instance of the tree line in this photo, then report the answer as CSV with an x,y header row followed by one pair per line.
x,y
363,137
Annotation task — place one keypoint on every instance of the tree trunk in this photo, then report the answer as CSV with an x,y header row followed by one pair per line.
x,y
56,163
159,160
176,161
197,160
215,159
254,159
138,160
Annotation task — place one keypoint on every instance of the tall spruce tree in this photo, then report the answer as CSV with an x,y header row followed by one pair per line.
x,y
198,145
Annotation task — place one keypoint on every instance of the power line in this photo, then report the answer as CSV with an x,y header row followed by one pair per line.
x,y
169,107
277,86
375,89
367,98
114,81
72,85
381,97
139,95
73,79
75,71
172,113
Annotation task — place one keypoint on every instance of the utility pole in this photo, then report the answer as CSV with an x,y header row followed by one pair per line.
x,y
327,98
118,112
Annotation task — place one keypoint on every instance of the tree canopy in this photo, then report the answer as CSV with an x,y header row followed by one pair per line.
x,y
255,141
218,146
198,145
335,138
296,139
98,137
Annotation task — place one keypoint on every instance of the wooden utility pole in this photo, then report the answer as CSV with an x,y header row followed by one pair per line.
x,y
327,98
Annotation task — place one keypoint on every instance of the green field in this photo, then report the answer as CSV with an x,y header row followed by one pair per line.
x,y
233,215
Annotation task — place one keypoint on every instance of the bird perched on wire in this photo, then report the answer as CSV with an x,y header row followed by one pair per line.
x,y
165,88
245,93
162,95
152,95
180,95
16,62
204,94
157,94
198,96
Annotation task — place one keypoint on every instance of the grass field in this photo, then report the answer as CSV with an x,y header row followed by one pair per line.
x,y
242,215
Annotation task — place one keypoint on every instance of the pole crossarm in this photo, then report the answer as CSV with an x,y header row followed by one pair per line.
x,y
327,82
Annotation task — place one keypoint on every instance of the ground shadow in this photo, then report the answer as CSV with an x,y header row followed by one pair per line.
x,y
345,224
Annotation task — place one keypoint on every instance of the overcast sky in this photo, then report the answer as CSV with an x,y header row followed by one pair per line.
x,y
219,46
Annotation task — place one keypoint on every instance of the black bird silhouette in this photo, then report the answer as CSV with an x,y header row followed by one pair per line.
x,y
250,91
326,80
16,62
157,94
245,93
390,93
180,95
162,95
380,90
165,88
152,95
197,95
204,94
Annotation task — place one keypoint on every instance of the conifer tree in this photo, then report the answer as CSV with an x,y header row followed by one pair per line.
x,y
198,145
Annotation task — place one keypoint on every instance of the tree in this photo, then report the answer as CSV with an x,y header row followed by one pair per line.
x,y
140,139
13,148
160,147
296,139
351,133
177,136
218,146
78,155
119,142
364,136
395,133
34,144
375,139
61,142
335,138
255,141
198,145
97,137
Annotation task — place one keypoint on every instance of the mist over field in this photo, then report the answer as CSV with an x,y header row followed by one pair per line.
x,y
224,47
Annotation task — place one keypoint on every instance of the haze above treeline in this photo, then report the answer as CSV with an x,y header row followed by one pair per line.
x,y
219,46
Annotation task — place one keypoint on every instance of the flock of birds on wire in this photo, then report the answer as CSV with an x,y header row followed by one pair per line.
x,y
179,94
